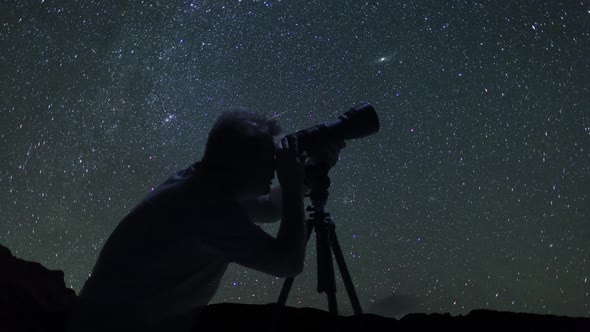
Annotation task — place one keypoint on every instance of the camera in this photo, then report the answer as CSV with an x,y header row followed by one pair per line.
x,y
360,121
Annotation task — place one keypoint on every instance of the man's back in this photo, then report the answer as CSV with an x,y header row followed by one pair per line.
x,y
168,255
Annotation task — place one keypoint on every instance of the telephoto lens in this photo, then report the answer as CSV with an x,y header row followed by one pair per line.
x,y
360,121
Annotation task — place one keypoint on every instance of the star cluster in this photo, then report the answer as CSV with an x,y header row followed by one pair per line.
x,y
474,193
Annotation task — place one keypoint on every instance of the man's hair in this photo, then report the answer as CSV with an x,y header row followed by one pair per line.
x,y
239,137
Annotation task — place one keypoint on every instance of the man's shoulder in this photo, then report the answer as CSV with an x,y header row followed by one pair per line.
x,y
182,175
196,176
186,178
196,185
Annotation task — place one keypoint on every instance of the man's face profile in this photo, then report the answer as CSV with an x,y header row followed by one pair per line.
x,y
260,172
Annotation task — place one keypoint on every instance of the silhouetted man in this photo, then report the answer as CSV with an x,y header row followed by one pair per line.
x,y
167,257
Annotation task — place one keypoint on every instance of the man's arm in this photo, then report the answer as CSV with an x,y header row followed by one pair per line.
x,y
284,255
267,208
292,234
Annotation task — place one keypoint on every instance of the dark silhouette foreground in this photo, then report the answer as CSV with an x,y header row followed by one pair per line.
x,y
166,258
34,298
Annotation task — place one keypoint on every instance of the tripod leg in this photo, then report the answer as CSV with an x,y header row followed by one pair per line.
x,y
285,290
356,306
289,281
325,266
332,303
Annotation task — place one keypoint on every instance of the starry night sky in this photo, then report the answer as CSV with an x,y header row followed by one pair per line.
x,y
475,193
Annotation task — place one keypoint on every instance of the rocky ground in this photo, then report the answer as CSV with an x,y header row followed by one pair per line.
x,y
33,298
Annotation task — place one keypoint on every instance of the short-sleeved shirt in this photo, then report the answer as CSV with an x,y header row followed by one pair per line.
x,y
168,255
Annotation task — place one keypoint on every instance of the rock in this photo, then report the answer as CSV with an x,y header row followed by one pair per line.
x,y
32,298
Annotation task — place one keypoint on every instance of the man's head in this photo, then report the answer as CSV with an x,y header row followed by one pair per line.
x,y
241,145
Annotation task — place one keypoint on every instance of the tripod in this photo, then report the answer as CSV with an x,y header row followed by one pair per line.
x,y
326,243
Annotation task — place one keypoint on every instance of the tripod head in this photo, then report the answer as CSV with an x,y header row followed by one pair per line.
x,y
319,182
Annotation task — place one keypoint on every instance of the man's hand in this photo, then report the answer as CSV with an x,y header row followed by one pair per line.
x,y
326,153
290,164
